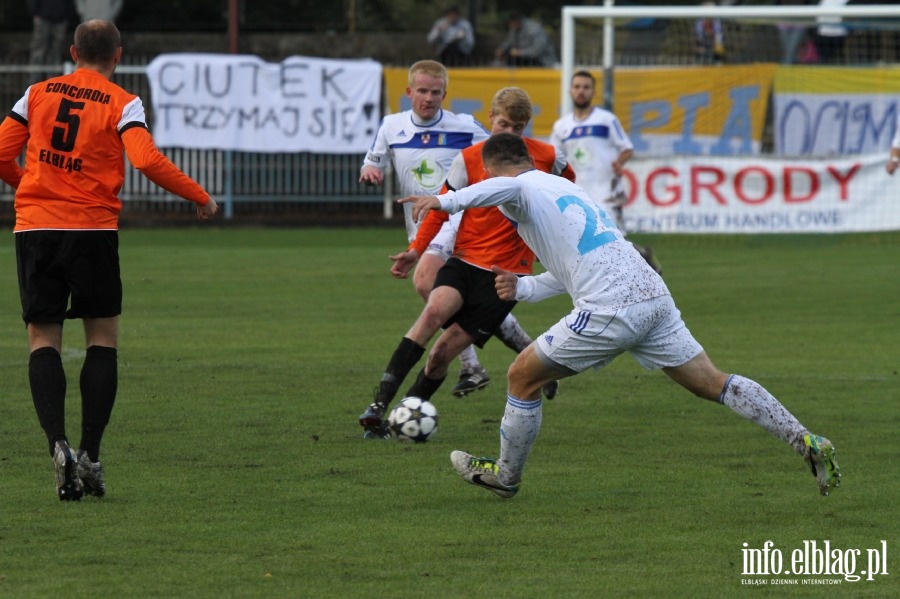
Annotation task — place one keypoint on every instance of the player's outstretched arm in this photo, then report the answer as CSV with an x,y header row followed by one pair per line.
x,y
153,164
421,205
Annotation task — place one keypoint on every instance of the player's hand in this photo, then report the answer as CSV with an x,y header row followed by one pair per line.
x,y
403,263
506,283
208,211
892,166
421,205
371,175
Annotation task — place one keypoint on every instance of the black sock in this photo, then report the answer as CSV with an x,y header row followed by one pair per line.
x,y
406,355
48,392
424,387
99,382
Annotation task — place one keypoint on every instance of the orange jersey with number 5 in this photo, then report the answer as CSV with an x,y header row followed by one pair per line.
x,y
77,128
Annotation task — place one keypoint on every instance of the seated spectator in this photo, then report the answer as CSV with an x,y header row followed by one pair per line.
x,y
454,37
526,44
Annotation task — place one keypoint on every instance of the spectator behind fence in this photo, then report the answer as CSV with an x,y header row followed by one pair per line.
x,y
107,10
453,38
526,44
710,39
50,19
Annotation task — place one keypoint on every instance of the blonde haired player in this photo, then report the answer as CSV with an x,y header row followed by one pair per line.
x,y
421,143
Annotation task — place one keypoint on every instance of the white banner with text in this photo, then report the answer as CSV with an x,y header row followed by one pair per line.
x,y
240,102
739,195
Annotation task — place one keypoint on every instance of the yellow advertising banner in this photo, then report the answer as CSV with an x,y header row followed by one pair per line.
x,y
470,91
716,110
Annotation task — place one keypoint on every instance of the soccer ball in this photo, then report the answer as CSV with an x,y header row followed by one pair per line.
x,y
414,419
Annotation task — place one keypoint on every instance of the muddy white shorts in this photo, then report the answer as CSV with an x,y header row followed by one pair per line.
x,y
652,331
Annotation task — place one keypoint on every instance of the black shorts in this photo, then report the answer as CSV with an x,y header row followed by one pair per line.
x,y
55,266
483,311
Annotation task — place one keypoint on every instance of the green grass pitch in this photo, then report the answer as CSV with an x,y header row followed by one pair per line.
x,y
236,468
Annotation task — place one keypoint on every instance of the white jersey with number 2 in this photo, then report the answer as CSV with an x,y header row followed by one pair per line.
x,y
584,253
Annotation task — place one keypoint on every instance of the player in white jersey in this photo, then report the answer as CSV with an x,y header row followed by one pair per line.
x,y
598,148
421,143
620,305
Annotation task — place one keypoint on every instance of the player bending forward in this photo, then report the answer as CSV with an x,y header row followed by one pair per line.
x,y
620,304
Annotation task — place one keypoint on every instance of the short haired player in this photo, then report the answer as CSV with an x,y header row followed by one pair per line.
x,y
619,305
76,130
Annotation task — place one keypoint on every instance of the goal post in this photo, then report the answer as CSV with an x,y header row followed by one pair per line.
x,y
738,125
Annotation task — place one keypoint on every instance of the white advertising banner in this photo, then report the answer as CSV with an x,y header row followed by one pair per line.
x,y
240,102
739,195
834,124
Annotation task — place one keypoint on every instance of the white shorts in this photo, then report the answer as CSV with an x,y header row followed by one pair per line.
x,y
443,243
652,331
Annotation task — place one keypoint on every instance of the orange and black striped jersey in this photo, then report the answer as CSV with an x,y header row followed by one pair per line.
x,y
76,130
485,237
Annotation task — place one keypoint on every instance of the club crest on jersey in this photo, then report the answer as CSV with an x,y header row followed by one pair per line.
x,y
426,138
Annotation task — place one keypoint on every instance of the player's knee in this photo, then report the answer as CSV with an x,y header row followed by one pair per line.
x,y
422,288
521,380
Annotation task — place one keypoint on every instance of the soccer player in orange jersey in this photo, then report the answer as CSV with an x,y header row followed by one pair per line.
x,y
464,300
76,128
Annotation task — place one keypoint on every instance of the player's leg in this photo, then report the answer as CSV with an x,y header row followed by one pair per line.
x,y
521,424
443,302
514,337
481,311
96,298
453,340
671,347
472,375
426,271
44,298
47,380
99,383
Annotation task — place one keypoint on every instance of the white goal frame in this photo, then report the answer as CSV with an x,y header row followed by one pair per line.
x,y
609,12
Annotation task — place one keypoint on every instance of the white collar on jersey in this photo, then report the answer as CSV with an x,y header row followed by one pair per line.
x,y
417,123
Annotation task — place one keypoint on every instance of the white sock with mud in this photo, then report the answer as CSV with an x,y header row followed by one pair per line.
x,y
519,428
468,359
749,399
513,335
